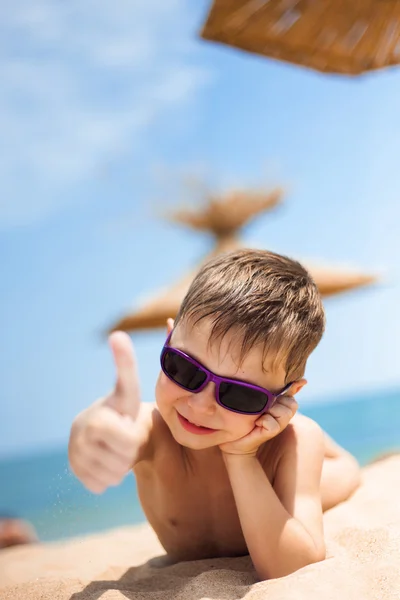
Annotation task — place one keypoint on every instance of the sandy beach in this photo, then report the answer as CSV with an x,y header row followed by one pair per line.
x,y
363,560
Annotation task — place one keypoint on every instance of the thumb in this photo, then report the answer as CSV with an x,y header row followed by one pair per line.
x,y
126,397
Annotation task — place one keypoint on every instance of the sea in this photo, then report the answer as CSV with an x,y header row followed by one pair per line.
x,y
42,489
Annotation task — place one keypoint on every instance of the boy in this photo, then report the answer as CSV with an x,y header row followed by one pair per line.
x,y
224,466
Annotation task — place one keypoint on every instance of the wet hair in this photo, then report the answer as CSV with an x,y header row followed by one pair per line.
x,y
263,298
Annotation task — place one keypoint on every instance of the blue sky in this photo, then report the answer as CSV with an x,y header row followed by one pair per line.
x,y
105,116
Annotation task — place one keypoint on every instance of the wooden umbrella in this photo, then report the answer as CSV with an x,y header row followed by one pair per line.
x,y
224,217
349,37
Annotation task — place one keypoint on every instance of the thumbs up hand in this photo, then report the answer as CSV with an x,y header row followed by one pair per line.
x,y
106,437
125,398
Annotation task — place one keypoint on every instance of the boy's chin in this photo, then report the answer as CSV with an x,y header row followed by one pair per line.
x,y
197,447
194,442
197,443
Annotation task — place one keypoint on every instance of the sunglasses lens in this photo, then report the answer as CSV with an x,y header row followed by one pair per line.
x,y
241,398
182,372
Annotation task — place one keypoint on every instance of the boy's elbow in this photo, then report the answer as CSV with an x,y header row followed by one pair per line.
x,y
314,554
318,556
317,550
310,555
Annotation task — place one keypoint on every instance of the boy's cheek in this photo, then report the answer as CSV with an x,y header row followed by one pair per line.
x,y
163,383
165,390
241,425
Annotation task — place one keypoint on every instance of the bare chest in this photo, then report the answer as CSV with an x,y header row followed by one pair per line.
x,y
192,512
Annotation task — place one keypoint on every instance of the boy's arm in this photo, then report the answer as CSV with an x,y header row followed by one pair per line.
x,y
282,525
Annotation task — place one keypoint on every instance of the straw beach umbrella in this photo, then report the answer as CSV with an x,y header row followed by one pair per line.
x,y
349,37
224,217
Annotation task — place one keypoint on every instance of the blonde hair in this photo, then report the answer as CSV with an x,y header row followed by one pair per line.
x,y
265,298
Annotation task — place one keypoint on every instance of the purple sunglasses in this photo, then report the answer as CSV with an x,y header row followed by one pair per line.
x,y
233,394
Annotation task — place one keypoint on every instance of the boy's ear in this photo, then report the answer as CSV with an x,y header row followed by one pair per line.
x,y
170,325
296,387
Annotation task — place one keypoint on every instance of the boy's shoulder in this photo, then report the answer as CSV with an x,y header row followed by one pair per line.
x,y
302,436
154,431
147,422
300,429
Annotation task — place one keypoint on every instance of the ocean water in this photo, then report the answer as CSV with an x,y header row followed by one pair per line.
x,y
42,489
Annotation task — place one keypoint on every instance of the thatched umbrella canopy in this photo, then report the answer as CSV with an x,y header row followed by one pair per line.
x,y
166,303
224,217
348,37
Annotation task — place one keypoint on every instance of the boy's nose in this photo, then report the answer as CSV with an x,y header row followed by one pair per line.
x,y
204,402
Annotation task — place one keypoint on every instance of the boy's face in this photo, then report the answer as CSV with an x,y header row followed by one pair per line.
x,y
201,408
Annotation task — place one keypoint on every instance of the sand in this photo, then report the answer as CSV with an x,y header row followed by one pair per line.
x,y
363,560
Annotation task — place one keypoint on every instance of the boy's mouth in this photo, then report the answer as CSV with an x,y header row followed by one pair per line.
x,y
192,427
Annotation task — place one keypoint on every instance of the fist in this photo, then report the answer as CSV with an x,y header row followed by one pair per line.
x,y
104,438
266,427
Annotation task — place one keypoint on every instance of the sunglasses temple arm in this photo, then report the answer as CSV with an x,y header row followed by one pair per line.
x,y
283,392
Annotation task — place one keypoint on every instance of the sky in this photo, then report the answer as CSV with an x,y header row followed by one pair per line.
x,y
109,118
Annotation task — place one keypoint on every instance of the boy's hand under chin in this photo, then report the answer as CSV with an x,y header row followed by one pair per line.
x,y
267,426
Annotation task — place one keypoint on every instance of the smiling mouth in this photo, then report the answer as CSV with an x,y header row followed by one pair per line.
x,y
196,424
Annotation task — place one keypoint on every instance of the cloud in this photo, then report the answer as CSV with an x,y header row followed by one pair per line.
x,y
81,82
